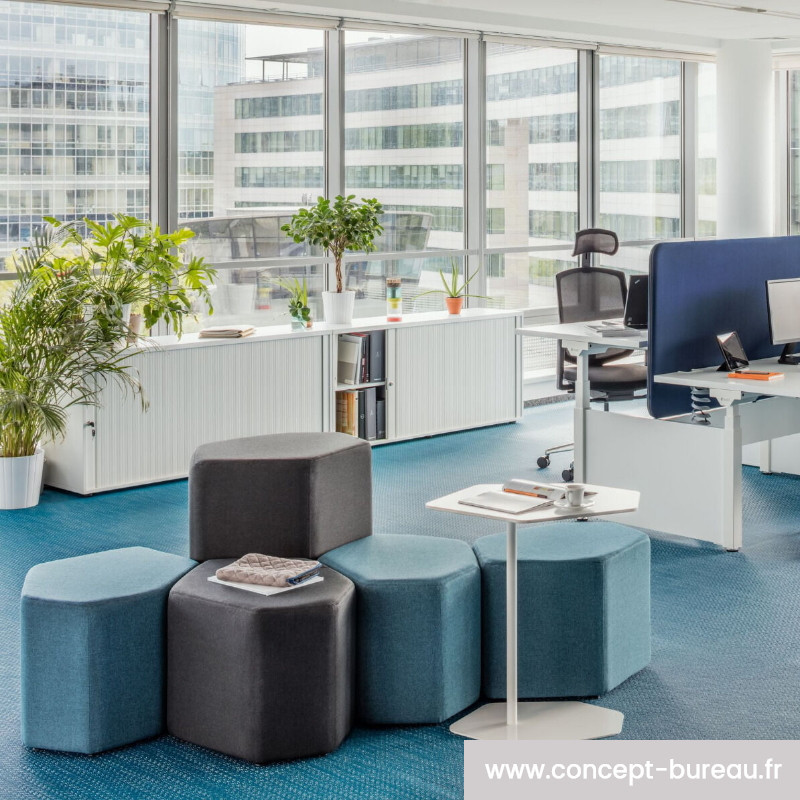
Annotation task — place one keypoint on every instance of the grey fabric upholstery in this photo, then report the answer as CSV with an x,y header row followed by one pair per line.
x,y
295,495
260,678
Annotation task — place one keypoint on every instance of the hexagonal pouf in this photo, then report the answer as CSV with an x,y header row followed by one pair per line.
x,y
263,678
93,648
418,626
584,608
287,494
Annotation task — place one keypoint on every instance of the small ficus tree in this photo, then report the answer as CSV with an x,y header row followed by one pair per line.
x,y
342,225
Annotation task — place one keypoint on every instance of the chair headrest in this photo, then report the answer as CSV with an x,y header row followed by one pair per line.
x,y
595,240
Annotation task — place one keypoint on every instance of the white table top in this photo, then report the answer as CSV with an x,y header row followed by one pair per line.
x,y
709,378
581,333
607,501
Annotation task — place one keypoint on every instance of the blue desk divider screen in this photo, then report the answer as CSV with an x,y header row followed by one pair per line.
x,y
701,289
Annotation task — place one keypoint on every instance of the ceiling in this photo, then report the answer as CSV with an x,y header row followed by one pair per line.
x,y
656,23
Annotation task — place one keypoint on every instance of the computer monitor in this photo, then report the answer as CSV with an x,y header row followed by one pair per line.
x,y
783,303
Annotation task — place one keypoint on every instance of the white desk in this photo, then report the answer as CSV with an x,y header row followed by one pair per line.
x,y
686,473
754,411
583,340
546,719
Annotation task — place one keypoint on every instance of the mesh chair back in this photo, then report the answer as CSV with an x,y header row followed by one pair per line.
x,y
587,294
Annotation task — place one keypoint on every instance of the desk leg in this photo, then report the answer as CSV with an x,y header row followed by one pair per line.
x,y
511,624
732,480
582,406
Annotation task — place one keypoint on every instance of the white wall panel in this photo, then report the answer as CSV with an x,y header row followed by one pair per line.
x,y
453,376
205,394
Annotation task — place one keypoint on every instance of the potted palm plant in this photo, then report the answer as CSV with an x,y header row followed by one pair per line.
x,y
64,332
131,267
455,289
52,356
339,226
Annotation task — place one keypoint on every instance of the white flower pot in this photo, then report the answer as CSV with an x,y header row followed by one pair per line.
x,y
338,307
241,297
21,480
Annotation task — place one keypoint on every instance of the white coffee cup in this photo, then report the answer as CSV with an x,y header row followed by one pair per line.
x,y
575,493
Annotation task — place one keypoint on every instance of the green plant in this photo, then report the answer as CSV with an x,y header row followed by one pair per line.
x,y
298,298
453,287
131,262
53,355
338,226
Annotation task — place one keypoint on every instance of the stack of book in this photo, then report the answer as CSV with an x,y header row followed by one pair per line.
x,y
227,332
361,358
362,413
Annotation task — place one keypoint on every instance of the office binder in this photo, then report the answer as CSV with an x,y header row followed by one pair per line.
x,y
362,415
370,403
380,416
377,344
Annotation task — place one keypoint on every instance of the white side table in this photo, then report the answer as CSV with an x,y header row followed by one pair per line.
x,y
560,719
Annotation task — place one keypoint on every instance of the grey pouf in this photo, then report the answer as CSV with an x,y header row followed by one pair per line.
x,y
256,677
287,494
584,608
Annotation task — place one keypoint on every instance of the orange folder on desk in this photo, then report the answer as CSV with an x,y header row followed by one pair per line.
x,y
756,376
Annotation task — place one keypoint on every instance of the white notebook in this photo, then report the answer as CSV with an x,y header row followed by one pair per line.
x,y
504,501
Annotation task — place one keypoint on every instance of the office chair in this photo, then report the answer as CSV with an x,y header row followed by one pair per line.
x,y
584,294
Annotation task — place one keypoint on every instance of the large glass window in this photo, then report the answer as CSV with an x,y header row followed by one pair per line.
x,y
404,145
251,152
74,115
532,168
640,145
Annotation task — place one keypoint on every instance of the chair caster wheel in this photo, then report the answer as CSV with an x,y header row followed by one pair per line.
x,y
543,461
568,475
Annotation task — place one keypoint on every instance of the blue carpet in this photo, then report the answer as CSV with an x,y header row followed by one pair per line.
x,y
726,638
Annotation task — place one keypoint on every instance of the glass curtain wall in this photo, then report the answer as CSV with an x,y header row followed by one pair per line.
x,y
639,170
74,116
251,152
532,170
74,142
404,145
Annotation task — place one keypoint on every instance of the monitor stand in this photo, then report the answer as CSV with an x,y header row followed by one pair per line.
x,y
788,355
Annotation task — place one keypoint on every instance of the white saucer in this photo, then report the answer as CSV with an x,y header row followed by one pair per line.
x,y
562,503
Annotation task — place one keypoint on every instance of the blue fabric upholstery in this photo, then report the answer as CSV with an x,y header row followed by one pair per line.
x,y
418,632
93,648
700,289
584,608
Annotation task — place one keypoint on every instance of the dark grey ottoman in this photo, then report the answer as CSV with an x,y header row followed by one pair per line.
x,y
287,494
260,678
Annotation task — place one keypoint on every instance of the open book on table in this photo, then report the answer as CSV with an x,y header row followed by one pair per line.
x,y
516,497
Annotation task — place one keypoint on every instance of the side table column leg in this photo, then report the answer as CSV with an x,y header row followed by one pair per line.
x,y
582,406
511,624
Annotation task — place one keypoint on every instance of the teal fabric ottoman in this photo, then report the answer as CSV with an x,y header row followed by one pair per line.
x,y
584,608
93,645
418,626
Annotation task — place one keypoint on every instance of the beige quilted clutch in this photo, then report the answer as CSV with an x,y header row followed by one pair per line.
x,y
269,570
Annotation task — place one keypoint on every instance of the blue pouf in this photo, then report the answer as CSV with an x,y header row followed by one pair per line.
x,y
93,648
584,608
418,632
